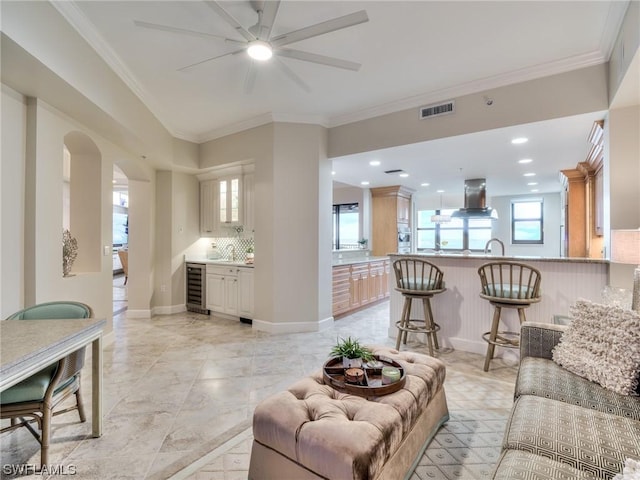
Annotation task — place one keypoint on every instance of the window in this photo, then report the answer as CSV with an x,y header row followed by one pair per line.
x,y
458,234
526,222
346,223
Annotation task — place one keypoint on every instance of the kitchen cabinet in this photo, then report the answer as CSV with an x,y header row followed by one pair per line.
x,y
226,201
359,284
245,292
230,290
341,289
209,223
390,208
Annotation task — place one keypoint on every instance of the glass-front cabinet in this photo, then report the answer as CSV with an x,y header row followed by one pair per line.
x,y
229,196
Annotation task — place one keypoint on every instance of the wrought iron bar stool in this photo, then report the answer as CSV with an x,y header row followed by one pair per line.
x,y
507,285
418,279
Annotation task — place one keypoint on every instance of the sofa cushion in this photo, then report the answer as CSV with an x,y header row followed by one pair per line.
x,y
516,464
544,378
602,344
588,440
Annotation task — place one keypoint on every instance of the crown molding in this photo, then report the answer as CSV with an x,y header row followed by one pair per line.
x,y
87,30
615,17
262,119
496,81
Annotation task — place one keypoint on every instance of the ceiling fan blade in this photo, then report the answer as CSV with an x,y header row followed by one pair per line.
x,y
168,28
250,79
227,17
269,13
315,58
186,67
292,75
320,28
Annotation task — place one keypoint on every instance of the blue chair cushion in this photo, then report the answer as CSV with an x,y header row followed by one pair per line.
x,y
507,290
52,310
411,283
33,388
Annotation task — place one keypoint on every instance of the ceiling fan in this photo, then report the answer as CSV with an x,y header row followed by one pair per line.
x,y
260,45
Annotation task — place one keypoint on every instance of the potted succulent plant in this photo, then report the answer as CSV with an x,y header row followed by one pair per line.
x,y
352,352
250,254
363,243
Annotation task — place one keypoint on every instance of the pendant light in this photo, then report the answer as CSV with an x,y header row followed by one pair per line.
x,y
440,218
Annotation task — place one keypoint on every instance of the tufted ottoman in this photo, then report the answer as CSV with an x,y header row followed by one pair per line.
x,y
312,431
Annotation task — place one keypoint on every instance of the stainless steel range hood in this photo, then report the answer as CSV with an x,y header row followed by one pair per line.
x,y
475,200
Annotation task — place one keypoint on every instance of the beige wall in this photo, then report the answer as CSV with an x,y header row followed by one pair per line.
x,y
12,208
556,96
622,191
624,49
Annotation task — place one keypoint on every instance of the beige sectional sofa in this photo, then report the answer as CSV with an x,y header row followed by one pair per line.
x,y
563,426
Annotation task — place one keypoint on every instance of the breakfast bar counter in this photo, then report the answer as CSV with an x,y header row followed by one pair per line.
x,y
463,316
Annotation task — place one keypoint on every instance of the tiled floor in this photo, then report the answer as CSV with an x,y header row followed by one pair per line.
x,y
179,387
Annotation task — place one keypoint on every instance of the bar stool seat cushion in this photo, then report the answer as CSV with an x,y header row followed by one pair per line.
x,y
420,285
508,290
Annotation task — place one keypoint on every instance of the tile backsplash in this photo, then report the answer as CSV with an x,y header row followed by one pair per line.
x,y
241,245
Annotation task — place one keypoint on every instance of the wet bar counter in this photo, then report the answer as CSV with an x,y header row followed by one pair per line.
x,y
463,316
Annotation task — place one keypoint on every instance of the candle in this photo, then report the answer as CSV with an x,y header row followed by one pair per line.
x,y
390,375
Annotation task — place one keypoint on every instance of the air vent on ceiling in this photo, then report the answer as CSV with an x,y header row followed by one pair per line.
x,y
437,109
391,172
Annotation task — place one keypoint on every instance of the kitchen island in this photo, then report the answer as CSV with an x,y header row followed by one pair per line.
x,y
463,316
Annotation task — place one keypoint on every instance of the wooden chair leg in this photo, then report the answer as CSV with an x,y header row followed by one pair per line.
x,y
432,323
126,277
407,322
522,316
492,337
402,322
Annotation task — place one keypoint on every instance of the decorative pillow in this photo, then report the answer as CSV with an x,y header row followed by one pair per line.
x,y
602,344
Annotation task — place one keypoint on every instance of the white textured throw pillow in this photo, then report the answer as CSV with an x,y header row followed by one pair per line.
x,y
602,344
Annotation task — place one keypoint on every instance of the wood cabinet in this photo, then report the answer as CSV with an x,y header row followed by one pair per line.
x,y
391,207
341,289
359,284
230,290
584,196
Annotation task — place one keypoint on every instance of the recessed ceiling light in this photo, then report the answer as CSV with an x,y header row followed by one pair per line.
x,y
534,190
529,174
519,140
439,191
374,163
364,183
532,183
404,175
333,172
259,50
113,181
424,184
525,160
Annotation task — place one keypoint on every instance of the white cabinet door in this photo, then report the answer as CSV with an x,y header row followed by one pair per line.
x,y
229,198
245,293
231,295
208,208
215,293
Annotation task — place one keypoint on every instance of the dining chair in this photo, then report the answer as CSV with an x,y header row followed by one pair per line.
x,y
124,260
35,398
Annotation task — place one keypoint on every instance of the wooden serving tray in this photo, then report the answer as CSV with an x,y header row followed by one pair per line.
x,y
333,375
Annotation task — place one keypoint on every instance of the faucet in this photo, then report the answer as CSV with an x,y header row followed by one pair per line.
x,y
233,252
486,247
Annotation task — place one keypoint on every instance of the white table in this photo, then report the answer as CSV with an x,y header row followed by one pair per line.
x,y
27,346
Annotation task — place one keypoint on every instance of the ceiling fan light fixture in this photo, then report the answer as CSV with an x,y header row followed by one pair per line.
x,y
259,50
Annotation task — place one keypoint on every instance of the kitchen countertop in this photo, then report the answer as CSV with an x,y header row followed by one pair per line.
x,y
495,258
217,262
352,261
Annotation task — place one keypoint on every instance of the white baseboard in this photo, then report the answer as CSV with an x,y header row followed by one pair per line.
x,y
168,310
138,313
292,327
